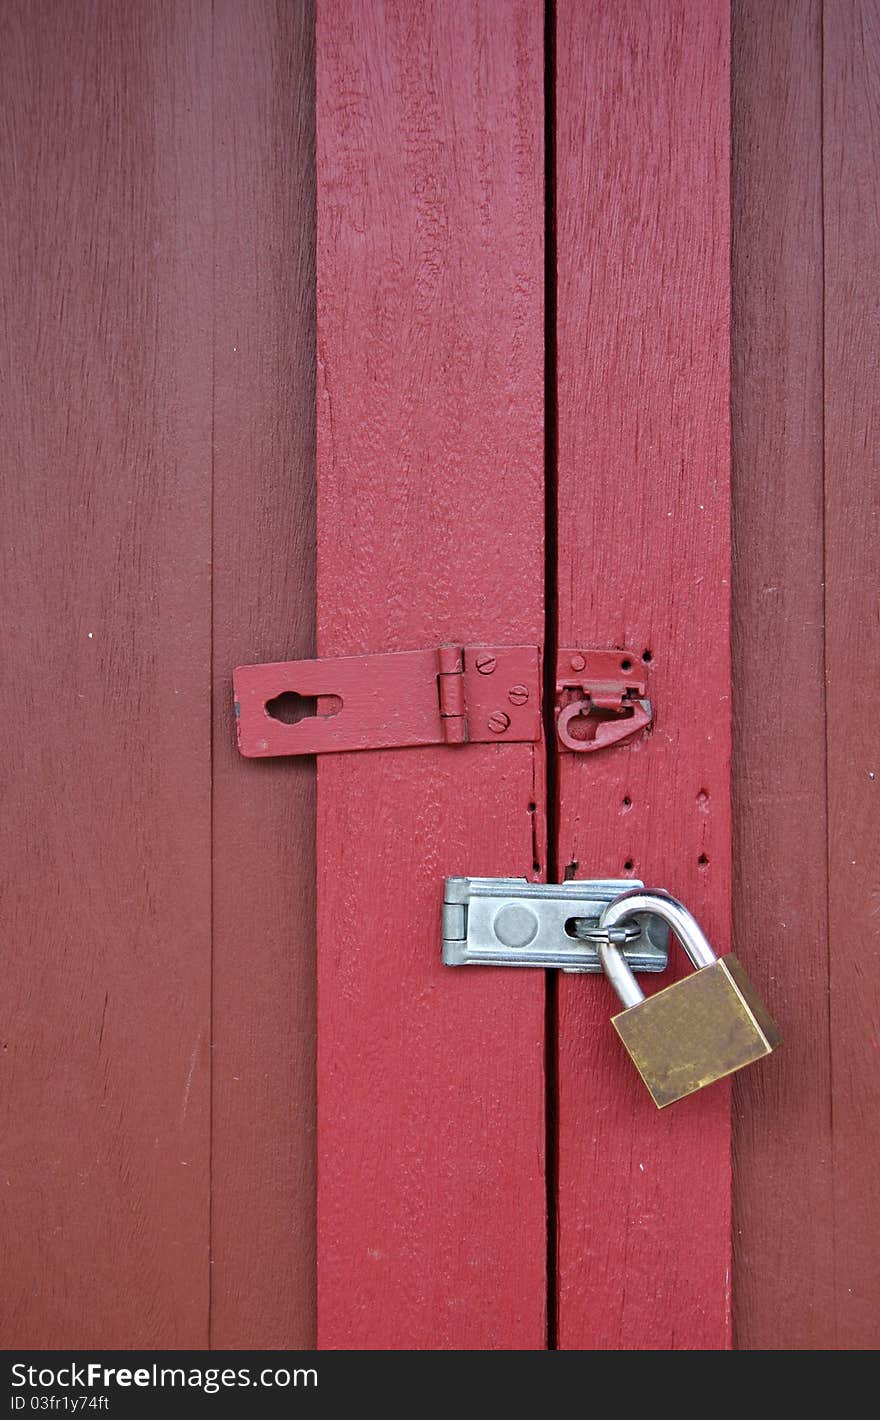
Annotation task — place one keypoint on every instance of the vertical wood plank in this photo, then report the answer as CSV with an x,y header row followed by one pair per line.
x,y
431,1203
783,1271
263,1205
642,113
105,832
851,93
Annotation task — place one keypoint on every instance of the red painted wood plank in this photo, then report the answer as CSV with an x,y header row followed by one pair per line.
x,y
851,91
105,831
430,496
783,1272
642,112
263,1123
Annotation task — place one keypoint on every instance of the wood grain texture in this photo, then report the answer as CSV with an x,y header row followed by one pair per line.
x,y
642,114
263,1214
158,305
106,351
851,104
783,1271
431,1228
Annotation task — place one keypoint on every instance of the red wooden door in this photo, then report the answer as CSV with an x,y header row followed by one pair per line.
x,y
442,437
378,329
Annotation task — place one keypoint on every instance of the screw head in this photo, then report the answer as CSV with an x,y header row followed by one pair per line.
x,y
577,662
485,663
499,722
518,694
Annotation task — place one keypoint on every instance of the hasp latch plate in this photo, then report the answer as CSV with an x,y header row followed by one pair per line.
x,y
445,695
513,922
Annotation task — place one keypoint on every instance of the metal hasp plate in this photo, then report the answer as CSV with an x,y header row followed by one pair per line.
x,y
512,922
447,695
600,699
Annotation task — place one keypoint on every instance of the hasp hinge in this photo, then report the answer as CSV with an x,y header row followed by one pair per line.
x,y
445,695
600,699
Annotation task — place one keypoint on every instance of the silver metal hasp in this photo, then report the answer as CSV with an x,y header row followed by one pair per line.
x,y
512,922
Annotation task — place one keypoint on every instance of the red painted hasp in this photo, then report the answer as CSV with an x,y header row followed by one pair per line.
x,y
642,114
448,695
431,1200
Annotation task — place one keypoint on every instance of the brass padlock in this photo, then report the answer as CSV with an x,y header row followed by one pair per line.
x,y
699,1029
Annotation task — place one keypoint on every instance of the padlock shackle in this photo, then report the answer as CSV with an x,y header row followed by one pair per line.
x,y
617,969
659,904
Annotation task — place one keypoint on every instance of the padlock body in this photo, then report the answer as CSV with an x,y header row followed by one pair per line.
x,y
697,1031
